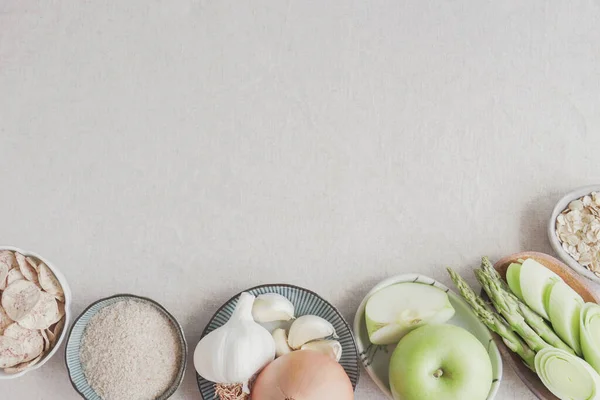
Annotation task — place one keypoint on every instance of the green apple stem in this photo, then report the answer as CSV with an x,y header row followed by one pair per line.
x,y
438,373
493,321
510,313
532,319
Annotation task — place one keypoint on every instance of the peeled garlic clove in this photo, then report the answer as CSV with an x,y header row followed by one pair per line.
x,y
308,328
332,348
271,307
281,345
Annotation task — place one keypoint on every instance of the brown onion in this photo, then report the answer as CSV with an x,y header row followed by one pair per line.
x,y
303,375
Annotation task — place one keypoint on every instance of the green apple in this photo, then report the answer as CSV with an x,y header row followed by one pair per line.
x,y
440,362
395,310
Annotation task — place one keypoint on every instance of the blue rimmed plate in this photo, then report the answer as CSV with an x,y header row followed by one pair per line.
x,y
305,303
73,362
376,359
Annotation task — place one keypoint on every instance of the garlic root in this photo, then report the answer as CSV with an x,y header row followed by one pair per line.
x,y
231,392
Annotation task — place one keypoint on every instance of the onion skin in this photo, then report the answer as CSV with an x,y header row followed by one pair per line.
x,y
303,375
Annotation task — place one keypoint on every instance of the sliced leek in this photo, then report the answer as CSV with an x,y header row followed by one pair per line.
x,y
568,377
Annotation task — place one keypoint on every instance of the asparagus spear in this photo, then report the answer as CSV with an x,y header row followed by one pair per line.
x,y
511,313
488,268
539,324
493,321
535,321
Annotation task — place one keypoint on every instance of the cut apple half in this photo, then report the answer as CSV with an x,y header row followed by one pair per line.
x,y
398,309
564,309
535,282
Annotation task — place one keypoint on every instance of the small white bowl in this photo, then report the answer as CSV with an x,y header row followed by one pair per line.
x,y
68,300
376,359
555,242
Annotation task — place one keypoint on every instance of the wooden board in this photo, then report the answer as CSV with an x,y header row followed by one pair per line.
x,y
578,283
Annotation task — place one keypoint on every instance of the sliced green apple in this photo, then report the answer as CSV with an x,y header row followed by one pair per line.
x,y
564,309
535,280
590,334
567,376
513,278
398,309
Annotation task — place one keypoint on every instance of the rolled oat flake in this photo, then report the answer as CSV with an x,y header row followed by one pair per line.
x,y
130,351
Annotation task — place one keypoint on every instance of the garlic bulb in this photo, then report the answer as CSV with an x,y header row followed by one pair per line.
x,y
235,352
281,344
271,307
332,348
308,328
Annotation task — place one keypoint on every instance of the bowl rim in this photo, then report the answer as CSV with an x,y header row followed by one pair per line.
x,y
184,351
288,285
68,301
414,277
561,205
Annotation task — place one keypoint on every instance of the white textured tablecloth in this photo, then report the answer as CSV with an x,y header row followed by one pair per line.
x,y
186,150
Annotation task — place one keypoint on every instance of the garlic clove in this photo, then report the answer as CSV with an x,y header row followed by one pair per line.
x,y
308,328
281,344
271,307
331,348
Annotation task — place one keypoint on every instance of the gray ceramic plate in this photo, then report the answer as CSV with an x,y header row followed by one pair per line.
x,y
376,359
73,343
305,303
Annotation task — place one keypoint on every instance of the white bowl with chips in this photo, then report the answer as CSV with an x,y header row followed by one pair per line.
x,y
556,244
56,342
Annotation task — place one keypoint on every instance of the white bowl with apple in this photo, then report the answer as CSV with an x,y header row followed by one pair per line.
x,y
430,361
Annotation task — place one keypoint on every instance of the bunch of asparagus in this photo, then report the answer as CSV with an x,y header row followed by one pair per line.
x,y
521,329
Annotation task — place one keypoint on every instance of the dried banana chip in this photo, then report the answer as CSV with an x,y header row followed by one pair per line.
x,y
11,352
26,269
23,366
61,310
5,320
57,330
7,263
33,262
31,340
51,337
3,275
44,334
14,275
48,280
20,298
8,258
44,314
